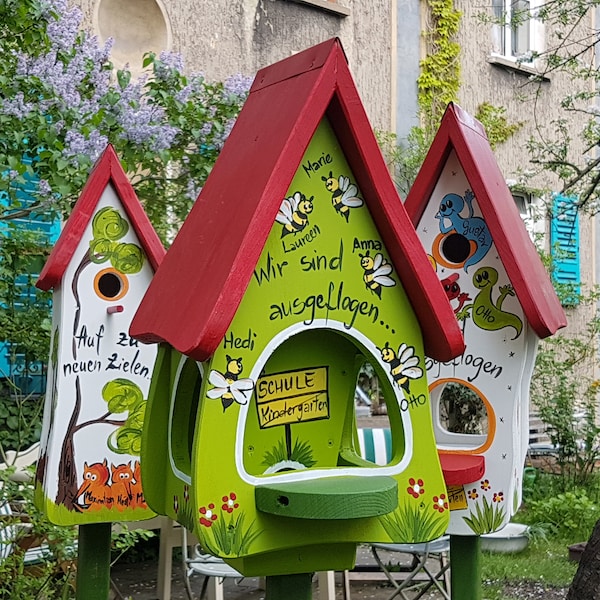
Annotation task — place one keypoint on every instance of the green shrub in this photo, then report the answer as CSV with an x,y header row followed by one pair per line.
x,y
570,515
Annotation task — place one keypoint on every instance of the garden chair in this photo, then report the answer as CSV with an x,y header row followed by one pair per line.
x,y
214,570
422,557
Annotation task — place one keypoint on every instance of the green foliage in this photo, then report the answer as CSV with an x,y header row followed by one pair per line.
x,y
486,517
125,542
496,124
54,576
439,80
570,515
20,419
24,312
566,397
405,156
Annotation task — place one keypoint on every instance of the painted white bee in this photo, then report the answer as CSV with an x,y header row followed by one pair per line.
x,y
293,213
376,272
228,387
344,195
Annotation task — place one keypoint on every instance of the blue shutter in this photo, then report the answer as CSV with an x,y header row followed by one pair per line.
x,y
564,241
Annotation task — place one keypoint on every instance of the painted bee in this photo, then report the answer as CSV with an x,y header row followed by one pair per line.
x,y
403,365
227,385
376,272
344,195
293,213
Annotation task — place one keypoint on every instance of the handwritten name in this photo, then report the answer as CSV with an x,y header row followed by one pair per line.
x,y
311,166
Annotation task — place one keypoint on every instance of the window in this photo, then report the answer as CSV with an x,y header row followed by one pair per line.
x,y
531,209
517,34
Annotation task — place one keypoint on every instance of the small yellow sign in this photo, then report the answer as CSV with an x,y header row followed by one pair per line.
x,y
292,397
457,497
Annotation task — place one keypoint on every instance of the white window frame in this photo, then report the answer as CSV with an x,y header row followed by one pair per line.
x,y
505,29
531,209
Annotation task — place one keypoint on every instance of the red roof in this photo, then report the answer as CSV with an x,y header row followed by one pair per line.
x,y
200,284
106,170
462,133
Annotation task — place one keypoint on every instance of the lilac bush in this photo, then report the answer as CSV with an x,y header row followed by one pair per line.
x,y
61,102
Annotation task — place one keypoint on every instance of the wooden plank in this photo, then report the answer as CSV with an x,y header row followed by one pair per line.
x,y
332,498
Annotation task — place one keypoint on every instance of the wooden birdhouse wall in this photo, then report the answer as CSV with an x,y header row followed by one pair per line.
x,y
98,377
275,403
479,398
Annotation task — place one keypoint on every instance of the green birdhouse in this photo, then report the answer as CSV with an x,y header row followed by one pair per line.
x,y
297,264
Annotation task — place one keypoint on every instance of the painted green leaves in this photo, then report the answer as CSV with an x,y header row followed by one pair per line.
x,y
122,395
108,226
486,517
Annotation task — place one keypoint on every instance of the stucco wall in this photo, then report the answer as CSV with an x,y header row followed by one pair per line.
x,y
222,38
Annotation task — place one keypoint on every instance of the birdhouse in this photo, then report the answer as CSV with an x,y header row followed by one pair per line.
x,y
98,377
503,300
296,265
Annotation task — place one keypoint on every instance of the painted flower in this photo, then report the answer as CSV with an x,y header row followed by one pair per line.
x,y
485,485
473,494
415,488
439,503
229,503
208,516
498,497
176,503
186,492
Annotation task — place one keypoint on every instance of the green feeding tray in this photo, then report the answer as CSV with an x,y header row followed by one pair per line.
x,y
332,498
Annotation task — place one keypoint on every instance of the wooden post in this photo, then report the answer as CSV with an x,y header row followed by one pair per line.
x,y
93,563
289,587
465,558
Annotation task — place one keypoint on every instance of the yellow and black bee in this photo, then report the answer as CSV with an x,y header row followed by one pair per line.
x,y
293,213
403,364
228,387
344,195
377,270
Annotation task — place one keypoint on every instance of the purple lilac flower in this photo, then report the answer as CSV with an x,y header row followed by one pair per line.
x,y
44,188
16,106
76,144
168,62
237,85
63,29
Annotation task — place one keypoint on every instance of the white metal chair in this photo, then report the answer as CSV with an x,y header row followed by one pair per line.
x,y
196,561
436,551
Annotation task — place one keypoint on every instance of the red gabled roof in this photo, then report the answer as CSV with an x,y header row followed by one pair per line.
x,y
463,133
200,284
106,170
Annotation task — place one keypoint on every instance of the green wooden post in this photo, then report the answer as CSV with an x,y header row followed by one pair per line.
x,y
289,587
93,561
465,558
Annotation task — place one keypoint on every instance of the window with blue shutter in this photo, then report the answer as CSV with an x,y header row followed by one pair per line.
x,y
564,241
